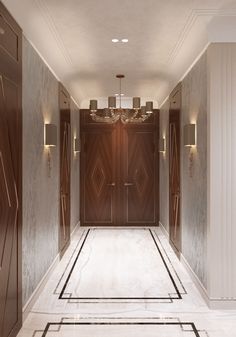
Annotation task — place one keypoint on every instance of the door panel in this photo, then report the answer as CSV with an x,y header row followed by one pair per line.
x,y
174,173
10,175
99,182
140,175
119,173
65,164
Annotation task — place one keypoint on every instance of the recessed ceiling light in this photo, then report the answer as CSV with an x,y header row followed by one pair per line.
x,y
115,40
125,40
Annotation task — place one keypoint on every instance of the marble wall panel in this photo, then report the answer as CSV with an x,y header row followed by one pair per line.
x,y
40,178
194,170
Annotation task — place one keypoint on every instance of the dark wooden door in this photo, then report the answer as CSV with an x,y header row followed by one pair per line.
x,y
65,168
174,168
119,173
140,173
99,167
10,175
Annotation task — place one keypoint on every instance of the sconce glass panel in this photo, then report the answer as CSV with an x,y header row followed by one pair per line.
x,y
50,135
77,147
190,135
162,145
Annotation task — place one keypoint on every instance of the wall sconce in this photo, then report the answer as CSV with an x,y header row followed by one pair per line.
x,y
50,135
77,145
190,141
50,140
162,145
190,135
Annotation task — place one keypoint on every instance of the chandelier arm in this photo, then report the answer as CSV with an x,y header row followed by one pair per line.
x,y
112,115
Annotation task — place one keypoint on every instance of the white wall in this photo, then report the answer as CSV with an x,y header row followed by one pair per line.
x,y
222,172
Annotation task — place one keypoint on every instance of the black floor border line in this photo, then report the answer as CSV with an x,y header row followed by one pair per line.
x,y
68,263
73,266
181,324
168,270
178,297
168,258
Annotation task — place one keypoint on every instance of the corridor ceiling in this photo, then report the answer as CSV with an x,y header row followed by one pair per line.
x,y
165,37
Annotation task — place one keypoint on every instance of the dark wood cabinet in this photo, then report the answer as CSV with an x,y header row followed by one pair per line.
x,y
174,169
65,168
10,174
119,173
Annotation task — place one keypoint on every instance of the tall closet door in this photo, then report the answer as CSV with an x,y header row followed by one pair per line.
x,y
10,174
174,169
65,168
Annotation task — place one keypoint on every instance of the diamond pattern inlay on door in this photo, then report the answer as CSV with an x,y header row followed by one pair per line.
x,y
141,178
98,177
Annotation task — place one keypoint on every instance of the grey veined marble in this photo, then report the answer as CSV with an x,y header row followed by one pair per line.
x,y
194,170
40,180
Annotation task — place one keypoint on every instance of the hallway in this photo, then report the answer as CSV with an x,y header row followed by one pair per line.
x,y
120,283
117,168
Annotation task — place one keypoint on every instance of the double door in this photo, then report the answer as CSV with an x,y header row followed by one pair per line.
x,y
119,173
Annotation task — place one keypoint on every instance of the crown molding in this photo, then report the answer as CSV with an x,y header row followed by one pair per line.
x,y
53,29
190,22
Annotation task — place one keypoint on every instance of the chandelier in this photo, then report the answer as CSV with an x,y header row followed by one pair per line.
x,y
112,114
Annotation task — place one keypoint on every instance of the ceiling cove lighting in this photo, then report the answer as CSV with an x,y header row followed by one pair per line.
x,y
112,114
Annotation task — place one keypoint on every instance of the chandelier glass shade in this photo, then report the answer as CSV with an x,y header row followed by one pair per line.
x,y
112,114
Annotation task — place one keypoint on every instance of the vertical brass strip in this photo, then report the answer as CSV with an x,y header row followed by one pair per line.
x,y
5,180
17,199
176,213
2,86
63,214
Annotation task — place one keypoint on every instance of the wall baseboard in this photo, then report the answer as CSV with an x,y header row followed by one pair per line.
x,y
194,278
35,295
165,232
33,298
212,303
75,229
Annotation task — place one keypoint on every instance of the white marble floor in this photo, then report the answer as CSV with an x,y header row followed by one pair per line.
x,y
120,283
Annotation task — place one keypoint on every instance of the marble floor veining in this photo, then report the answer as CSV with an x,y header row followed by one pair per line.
x,y
119,283
101,272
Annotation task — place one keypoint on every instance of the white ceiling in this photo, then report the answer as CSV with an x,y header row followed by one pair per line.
x,y
165,37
